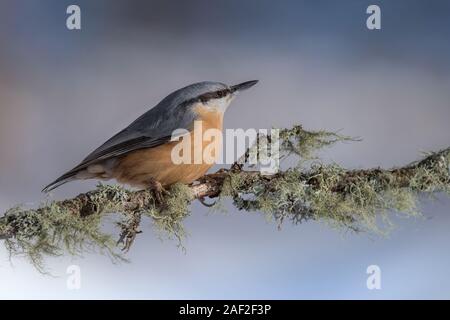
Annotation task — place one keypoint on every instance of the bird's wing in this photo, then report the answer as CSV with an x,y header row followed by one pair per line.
x,y
152,129
121,148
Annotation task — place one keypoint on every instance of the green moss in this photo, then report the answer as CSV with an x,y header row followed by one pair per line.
x,y
170,219
363,204
110,193
305,144
54,231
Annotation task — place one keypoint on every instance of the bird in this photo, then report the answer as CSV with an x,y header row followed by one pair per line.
x,y
141,154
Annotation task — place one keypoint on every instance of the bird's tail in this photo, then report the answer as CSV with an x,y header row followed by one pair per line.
x,y
69,176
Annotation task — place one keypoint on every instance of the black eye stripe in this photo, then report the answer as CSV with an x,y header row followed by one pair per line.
x,y
213,95
208,96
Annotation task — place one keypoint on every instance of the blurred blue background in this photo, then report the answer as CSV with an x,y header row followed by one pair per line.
x,y
63,93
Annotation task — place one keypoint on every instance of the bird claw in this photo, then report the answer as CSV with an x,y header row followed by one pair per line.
x,y
203,202
158,191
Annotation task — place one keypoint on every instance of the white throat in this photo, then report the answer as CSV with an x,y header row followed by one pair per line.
x,y
220,104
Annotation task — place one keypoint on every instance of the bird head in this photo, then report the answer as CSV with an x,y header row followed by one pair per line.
x,y
219,100
215,96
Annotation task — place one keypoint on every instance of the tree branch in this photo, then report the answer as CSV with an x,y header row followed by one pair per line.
x,y
327,192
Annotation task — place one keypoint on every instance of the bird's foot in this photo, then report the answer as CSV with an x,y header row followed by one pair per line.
x,y
203,202
158,191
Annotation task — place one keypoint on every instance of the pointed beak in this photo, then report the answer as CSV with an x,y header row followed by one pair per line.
x,y
243,86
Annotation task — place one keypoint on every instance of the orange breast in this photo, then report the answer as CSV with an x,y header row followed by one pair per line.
x,y
139,167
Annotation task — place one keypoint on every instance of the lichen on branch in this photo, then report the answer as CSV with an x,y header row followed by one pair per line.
x,y
311,190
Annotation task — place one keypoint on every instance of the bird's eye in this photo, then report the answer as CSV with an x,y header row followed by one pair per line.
x,y
220,94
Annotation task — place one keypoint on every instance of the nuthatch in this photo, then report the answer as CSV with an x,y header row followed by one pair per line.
x,y
140,155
